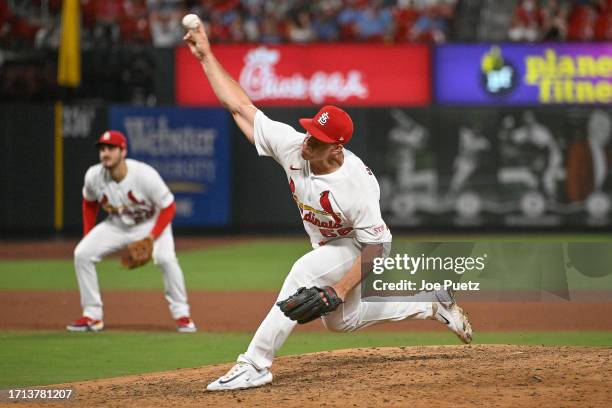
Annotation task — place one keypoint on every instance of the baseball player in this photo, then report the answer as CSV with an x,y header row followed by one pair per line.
x,y
337,197
140,209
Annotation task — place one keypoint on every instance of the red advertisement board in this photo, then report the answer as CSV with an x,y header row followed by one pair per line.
x,y
294,75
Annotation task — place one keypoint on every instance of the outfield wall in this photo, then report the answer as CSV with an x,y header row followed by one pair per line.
x,y
479,136
485,167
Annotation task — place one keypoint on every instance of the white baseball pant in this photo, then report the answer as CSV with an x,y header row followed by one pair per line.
x,y
322,266
108,237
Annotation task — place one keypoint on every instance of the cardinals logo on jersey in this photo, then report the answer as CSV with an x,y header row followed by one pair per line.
x,y
326,205
134,199
138,211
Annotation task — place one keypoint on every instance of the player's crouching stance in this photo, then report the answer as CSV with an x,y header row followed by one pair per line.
x,y
140,209
338,199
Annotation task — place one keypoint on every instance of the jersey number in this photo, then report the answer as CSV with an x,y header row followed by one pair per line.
x,y
331,234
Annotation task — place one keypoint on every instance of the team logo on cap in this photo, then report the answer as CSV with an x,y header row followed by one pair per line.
x,y
323,118
106,136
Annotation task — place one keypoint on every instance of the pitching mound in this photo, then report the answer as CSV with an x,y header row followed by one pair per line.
x,y
438,376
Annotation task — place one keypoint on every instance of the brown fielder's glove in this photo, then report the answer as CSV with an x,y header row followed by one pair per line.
x,y
139,253
306,305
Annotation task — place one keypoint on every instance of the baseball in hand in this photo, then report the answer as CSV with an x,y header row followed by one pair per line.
x,y
191,22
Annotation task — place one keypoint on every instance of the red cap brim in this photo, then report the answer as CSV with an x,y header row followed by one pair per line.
x,y
315,132
98,144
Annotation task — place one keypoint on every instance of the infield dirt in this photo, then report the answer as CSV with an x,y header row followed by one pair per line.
x,y
243,311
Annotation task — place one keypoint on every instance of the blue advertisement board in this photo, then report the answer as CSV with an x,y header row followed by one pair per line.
x,y
524,74
190,148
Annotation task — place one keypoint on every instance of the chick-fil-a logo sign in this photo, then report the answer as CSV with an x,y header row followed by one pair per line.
x,y
261,81
292,75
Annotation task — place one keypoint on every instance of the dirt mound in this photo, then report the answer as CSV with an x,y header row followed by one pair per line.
x,y
439,376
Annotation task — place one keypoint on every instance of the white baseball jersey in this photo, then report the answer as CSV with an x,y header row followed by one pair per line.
x,y
342,204
133,200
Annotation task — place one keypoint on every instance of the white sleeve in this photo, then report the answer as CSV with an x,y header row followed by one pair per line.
x,y
274,139
156,189
89,192
365,214
368,223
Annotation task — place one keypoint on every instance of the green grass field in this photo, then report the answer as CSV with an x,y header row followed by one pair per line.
x,y
33,358
255,265
245,266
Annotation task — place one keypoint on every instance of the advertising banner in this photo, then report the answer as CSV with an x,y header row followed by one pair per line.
x,y
191,150
525,74
509,167
295,75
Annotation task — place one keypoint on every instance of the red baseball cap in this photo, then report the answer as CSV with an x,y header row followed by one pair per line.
x,y
330,125
112,138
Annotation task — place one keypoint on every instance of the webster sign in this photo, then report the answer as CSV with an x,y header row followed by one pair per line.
x,y
350,75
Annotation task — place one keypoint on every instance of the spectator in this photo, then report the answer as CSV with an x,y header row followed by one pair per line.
x,y
405,15
555,21
134,23
445,8
280,9
165,20
430,26
237,33
325,25
347,19
253,11
217,30
270,31
603,24
300,28
166,31
527,22
373,22
581,22
221,15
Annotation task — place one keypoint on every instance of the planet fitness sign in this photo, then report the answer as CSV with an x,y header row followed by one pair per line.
x,y
351,75
509,74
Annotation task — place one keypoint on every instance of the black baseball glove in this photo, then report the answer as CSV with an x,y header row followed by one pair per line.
x,y
308,304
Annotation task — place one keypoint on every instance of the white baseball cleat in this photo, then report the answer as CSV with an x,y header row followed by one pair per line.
x,y
447,312
242,375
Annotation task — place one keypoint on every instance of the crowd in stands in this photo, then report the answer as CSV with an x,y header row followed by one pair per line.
x,y
36,23
157,22
562,20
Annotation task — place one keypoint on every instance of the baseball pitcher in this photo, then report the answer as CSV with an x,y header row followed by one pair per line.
x,y
140,209
338,200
